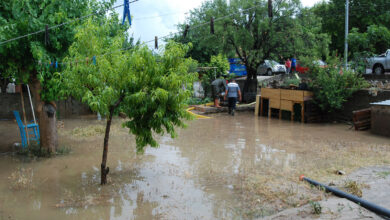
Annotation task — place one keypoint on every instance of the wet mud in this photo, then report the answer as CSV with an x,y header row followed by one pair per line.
x,y
226,167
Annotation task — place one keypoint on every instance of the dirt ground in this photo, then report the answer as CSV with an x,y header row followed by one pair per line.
x,y
376,181
225,167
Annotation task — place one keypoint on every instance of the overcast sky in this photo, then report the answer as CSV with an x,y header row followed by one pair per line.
x,y
159,17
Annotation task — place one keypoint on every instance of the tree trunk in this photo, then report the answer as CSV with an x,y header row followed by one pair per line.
x,y
104,169
250,86
4,85
47,119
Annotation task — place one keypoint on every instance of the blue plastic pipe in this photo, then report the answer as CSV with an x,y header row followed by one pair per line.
x,y
366,204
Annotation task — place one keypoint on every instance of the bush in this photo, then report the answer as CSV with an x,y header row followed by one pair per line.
x,y
333,85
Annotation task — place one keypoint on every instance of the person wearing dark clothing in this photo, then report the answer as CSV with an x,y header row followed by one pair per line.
x,y
233,93
218,87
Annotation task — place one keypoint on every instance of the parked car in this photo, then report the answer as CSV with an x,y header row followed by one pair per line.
x,y
270,67
379,64
302,69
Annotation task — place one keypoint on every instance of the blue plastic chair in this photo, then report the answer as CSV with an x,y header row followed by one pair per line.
x,y
32,129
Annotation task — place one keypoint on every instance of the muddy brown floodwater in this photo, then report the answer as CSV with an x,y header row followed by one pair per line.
x,y
221,168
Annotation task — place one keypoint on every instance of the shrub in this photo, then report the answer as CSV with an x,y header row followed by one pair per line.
x,y
333,85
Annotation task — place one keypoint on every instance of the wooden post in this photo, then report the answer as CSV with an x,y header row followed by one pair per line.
x,y
24,115
303,111
257,106
261,106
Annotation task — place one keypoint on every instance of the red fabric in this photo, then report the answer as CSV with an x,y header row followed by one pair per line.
x,y
288,64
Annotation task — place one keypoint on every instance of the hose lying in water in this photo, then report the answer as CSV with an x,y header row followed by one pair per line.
x,y
189,110
245,105
368,205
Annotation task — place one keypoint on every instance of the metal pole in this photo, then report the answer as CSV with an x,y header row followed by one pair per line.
x,y
24,115
32,107
346,32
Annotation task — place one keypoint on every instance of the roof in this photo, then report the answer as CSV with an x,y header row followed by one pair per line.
x,y
387,102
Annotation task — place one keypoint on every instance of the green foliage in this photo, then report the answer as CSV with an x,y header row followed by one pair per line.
x,y
148,88
365,17
51,84
376,40
19,57
291,81
252,35
216,68
332,86
221,62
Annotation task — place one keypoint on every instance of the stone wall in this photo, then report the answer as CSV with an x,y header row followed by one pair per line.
x,y
12,101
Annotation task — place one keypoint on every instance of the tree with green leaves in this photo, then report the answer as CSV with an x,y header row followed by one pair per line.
x,y
254,30
20,58
148,88
369,23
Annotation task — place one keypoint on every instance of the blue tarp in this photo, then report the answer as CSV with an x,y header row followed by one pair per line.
x,y
236,67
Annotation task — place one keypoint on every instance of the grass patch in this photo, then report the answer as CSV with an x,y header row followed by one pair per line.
x,y
354,187
63,150
383,174
316,207
36,150
89,131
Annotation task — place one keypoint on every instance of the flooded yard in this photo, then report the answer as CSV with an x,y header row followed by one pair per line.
x,y
220,168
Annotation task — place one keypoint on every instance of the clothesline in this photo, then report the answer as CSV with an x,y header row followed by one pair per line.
x,y
55,63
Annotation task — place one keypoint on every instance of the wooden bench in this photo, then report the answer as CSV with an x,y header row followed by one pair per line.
x,y
362,119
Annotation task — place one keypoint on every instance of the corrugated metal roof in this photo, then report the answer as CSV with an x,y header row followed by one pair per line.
x,y
387,102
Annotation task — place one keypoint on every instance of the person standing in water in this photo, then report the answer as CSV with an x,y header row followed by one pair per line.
x,y
218,86
233,93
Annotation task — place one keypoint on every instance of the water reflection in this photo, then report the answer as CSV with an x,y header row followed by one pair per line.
x,y
191,177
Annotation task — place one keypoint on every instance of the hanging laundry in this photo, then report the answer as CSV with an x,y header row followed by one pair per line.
x,y
126,12
94,60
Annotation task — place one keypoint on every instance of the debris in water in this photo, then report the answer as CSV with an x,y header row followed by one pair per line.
x,y
340,172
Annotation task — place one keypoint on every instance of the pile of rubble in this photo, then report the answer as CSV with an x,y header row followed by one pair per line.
x,y
381,84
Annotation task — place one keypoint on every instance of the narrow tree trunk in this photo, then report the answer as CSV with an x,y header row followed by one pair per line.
x,y
47,119
104,169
